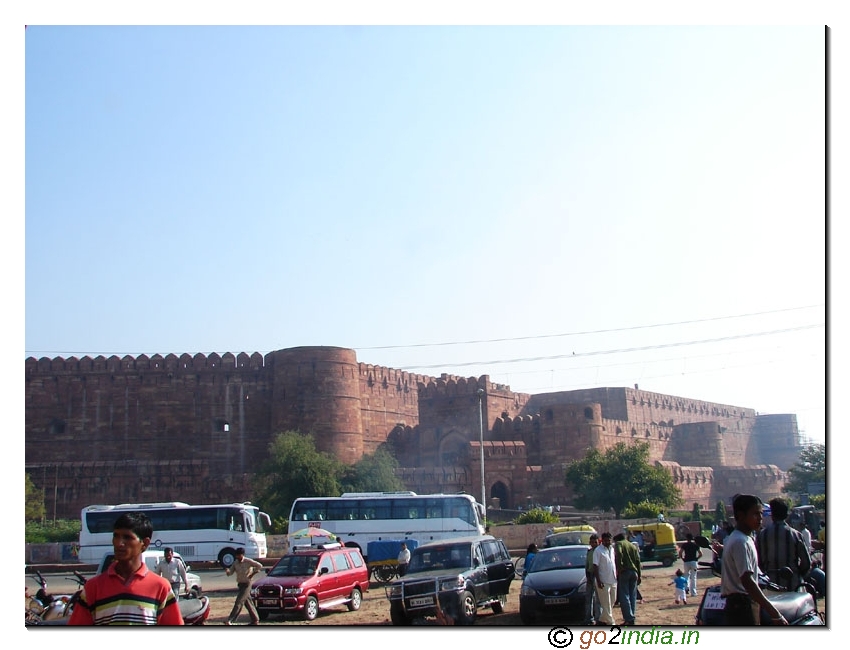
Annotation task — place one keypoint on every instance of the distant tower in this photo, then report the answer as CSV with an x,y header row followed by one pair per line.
x,y
317,390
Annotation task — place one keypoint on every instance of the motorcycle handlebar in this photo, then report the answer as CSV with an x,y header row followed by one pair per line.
x,y
78,578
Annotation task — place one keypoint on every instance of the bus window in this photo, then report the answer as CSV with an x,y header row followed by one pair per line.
x,y
343,511
376,509
310,510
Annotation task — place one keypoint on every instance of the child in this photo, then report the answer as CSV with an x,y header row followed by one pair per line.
x,y
681,583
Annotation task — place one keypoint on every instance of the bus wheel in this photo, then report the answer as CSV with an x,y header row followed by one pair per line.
x,y
227,557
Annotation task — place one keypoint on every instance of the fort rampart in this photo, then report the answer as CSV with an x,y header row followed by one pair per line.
x,y
196,427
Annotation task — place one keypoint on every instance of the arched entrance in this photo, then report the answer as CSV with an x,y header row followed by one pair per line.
x,y
500,491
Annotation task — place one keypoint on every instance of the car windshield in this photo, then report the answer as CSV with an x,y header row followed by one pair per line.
x,y
455,556
560,558
295,565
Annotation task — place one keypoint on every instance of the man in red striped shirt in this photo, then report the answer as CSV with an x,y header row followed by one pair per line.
x,y
127,593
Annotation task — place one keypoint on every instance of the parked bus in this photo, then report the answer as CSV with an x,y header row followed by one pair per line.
x,y
363,517
205,533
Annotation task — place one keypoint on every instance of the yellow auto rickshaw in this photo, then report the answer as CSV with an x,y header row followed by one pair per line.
x,y
659,542
564,535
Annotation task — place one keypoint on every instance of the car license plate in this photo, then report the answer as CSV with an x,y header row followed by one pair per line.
x,y
561,600
420,602
269,601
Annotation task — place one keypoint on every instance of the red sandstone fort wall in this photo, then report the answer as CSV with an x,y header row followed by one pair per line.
x,y
194,427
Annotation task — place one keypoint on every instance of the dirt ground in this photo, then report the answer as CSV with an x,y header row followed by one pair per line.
x,y
658,607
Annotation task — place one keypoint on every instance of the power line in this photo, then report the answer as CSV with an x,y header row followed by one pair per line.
x,y
584,333
615,351
470,342
654,360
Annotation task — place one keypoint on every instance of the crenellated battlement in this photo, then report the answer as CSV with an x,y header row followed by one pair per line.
x,y
223,410
157,363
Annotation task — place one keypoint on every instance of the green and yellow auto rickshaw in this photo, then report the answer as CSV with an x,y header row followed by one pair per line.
x,y
659,542
564,535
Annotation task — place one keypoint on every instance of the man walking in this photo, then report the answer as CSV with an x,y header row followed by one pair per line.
x,y
172,570
628,576
781,546
605,578
245,569
689,553
591,600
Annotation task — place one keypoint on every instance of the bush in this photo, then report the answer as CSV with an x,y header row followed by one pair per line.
x,y
538,516
279,526
643,510
818,501
63,530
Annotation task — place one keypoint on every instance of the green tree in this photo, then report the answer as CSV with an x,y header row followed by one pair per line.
x,y
719,513
811,468
696,513
373,473
33,501
618,477
295,468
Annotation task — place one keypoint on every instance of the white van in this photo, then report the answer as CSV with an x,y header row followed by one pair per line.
x,y
151,557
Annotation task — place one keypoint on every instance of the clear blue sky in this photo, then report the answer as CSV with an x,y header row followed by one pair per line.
x,y
242,189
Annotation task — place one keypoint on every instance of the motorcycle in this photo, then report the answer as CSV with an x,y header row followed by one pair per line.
x,y
798,606
47,609
195,611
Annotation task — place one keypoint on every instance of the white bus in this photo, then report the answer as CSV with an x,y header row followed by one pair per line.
x,y
205,533
363,517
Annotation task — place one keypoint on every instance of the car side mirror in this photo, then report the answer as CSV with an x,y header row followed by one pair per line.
x,y
475,562
323,570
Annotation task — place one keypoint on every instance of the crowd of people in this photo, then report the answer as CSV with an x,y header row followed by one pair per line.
x,y
613,566
778,550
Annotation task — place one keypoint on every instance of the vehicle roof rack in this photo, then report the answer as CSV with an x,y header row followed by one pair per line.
x,y
316,547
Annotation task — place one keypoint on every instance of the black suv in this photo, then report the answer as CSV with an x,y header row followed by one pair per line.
x,y
464,573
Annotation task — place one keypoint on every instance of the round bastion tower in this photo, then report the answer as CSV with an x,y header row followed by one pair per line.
x,y
317,391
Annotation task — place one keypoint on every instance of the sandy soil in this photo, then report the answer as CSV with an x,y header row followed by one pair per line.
x,y
658,607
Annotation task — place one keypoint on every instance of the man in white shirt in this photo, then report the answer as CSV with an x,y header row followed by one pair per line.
x,y
403,559
172,570
605,576
806,535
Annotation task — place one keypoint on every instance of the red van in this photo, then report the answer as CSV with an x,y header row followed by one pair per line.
x,y
311,579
